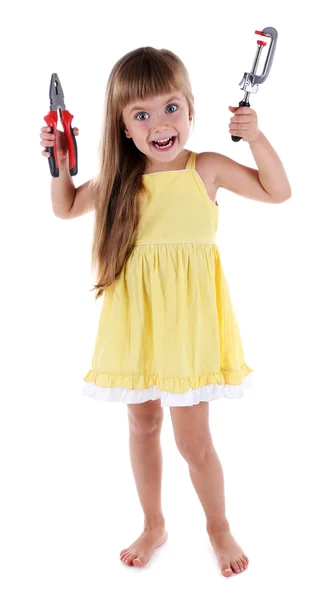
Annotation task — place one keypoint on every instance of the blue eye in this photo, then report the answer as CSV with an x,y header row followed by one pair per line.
x,y
144,113
136,116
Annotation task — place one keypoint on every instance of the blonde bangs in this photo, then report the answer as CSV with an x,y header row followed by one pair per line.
x,y
148,76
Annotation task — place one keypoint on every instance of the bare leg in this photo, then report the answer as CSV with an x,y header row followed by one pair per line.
x,y
193,439
145,422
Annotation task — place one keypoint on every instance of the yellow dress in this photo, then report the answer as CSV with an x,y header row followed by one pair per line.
x,y
168,329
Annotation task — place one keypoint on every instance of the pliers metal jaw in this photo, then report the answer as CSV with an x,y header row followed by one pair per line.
x,y
56,98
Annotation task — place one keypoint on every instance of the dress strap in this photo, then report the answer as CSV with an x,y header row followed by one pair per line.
x,y
191,163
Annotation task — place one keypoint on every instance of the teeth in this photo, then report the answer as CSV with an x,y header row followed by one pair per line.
x,y
165,140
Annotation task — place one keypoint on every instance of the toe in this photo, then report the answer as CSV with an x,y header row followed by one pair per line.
x,y
126,556
226,570
140,560
129,559
246,559
240,564
123,551
235,567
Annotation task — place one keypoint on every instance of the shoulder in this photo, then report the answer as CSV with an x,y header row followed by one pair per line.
x,y
212,162
214,167
205,165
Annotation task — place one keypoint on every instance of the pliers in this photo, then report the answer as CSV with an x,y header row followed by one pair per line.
x,y
56,98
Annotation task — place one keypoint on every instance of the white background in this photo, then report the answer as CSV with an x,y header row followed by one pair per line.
x,y
68,499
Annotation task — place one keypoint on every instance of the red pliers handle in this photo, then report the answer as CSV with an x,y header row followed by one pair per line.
x,y
57,103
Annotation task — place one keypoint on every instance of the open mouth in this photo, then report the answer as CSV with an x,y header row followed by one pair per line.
x,y
166,145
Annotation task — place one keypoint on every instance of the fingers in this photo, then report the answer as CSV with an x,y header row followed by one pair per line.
x,y
46,129
48,139
242,119
47,136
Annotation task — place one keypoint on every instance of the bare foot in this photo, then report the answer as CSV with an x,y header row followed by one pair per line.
x,y
229,555
139,553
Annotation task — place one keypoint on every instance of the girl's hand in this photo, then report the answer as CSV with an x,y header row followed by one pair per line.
x,y
244,123
48,139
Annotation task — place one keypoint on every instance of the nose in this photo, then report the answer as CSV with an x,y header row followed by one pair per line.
x,y
160,122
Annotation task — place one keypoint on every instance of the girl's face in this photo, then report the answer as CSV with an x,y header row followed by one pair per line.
x,y
158,118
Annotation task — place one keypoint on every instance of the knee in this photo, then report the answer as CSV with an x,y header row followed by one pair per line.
x,y
195,450
145,424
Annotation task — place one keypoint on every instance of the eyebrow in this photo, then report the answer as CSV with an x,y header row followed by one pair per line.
x,y
167,102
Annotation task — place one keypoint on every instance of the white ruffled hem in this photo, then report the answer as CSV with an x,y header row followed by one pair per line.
x,y
189,398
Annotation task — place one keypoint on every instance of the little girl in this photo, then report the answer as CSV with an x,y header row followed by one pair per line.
x,y
168,334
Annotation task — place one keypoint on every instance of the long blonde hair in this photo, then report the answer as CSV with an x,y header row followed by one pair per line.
x,y
118,186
